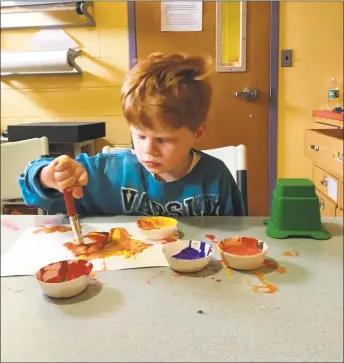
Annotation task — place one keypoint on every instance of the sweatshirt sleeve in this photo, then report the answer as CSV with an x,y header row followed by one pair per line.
x,y
232,201
51,200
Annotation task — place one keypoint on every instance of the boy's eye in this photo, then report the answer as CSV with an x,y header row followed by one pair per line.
x,y
141,137
161,140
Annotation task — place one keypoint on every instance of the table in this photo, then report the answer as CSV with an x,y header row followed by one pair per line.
x,y
156,315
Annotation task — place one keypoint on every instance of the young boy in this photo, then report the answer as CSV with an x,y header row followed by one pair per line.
x,y
165,100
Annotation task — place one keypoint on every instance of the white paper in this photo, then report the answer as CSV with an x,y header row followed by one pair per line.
x,y
33,251
332,188
179,16
52,39
40,61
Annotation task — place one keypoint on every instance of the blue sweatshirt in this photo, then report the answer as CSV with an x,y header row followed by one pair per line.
x,y
119,185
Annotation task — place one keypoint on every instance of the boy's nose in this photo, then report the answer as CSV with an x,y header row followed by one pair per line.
x,y
150,148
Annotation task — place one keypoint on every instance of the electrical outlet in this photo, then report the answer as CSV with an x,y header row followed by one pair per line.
x,y
286,58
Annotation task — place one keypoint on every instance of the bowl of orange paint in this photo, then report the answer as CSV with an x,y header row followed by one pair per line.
x,y
156,228
65,278
243,253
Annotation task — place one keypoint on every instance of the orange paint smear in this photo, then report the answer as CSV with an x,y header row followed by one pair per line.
x,y
281,270
93,275
104,268
210,236
292,253
51,229
266,288
228,270
173,238
94,278
105,244
274,266
170,240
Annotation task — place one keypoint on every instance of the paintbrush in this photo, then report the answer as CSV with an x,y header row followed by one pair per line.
x,y
73,216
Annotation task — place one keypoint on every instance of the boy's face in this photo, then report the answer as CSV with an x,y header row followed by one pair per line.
x,y
163,151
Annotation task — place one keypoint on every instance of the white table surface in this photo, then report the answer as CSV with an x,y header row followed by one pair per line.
x,y
152,315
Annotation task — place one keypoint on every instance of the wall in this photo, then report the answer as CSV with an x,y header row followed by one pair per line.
x,y
314,30
92,97
318,55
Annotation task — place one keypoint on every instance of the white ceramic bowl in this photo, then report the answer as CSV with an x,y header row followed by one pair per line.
x,y
239,262
64,279
172,250
168,226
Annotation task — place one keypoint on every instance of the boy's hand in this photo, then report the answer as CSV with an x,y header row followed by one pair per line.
x,y
64,173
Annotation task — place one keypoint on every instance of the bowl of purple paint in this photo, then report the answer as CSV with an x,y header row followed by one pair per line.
x,y
188,256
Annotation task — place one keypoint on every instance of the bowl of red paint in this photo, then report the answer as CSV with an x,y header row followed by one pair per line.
x,y
188,256
65,278
243,253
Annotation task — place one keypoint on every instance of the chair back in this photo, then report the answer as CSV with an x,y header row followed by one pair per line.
x,y
235,158
14,158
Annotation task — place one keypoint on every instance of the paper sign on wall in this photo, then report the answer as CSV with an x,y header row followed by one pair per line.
x,y
181,16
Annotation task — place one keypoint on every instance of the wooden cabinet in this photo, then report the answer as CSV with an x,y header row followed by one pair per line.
x,y
326,183
339,212
324,146
326,205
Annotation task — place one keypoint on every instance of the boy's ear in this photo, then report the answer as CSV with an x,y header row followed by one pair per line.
x,y
201,131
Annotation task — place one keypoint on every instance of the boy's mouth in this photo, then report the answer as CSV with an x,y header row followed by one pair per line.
x,y
151,164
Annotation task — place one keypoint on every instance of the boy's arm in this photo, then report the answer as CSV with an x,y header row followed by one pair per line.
x,y
233,201
52,200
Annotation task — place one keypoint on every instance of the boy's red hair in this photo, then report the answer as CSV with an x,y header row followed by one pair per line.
x,y
172,90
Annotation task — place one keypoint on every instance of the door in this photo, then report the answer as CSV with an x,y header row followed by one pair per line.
x,y
231,120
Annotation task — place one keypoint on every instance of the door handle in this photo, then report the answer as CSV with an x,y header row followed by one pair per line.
x,y
248,94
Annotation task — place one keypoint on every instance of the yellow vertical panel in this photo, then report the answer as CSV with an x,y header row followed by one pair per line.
x,y
230,25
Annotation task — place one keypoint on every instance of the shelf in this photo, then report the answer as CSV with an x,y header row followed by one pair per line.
x,y
328,118
339,116
34,14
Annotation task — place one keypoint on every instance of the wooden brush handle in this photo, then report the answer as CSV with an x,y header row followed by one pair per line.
x,y
69,200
